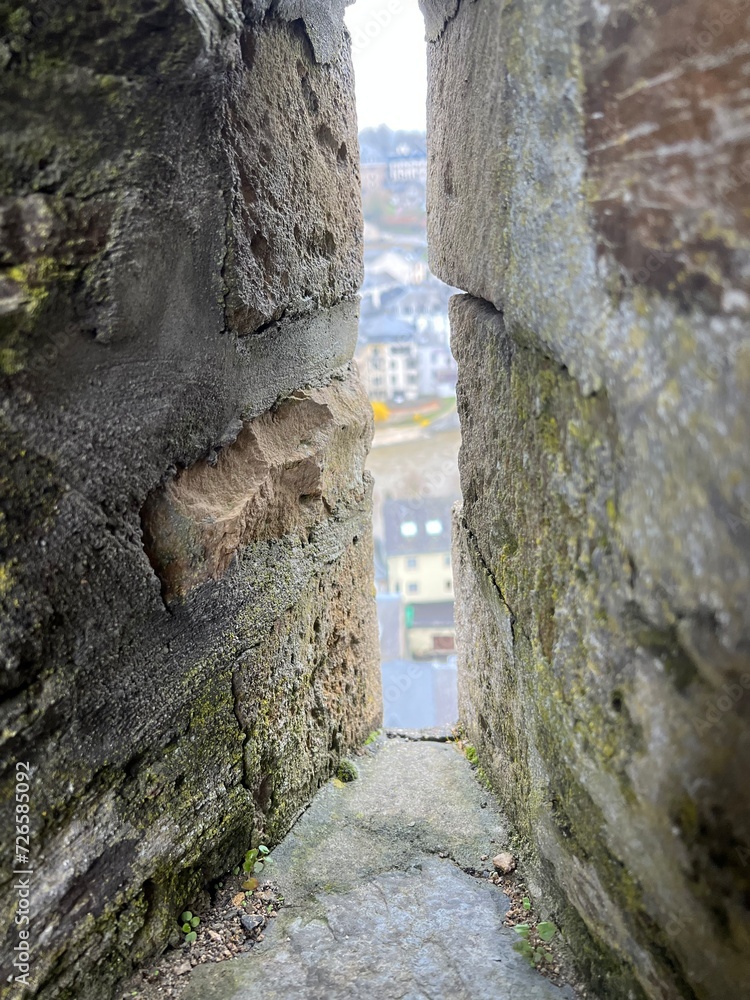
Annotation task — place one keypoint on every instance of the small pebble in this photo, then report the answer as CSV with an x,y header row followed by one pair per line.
x,y
504,862
251,921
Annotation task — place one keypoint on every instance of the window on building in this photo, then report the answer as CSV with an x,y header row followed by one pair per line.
x,y
396,587
412,588
411,563
446,560
434,527
449,584
409,529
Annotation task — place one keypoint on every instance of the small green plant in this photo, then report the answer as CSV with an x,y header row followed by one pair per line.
x,y
253,860
372,737
526,903
250,858
189,924
546,931
346,771
527,947
471,754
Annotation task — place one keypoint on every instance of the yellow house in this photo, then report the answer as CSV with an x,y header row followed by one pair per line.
x,y
421,577
417,546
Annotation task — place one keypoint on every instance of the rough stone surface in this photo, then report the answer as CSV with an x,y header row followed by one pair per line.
x,y
616,747
371,910
178,257
436,14
287,469
323,20
296,234
587,187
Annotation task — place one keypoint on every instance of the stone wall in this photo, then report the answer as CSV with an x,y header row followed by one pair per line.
x,y
188,629
588,189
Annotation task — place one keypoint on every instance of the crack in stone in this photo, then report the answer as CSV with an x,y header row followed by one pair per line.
x,y
513,617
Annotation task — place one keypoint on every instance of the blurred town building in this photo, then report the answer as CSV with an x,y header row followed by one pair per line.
x,y
418,558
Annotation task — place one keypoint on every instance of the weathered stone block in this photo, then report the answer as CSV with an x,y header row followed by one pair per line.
x,y
295,218
619,752
170,159
154,209
587,179
672,356
582,159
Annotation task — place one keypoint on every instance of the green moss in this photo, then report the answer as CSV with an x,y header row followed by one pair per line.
x,y
554,707
483,778
60,35
36,282
6,577
347,771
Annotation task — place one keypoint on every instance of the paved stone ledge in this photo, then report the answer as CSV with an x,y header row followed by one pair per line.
x,y
377,903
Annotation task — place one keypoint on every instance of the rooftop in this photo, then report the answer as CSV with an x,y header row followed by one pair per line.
x,y
420,526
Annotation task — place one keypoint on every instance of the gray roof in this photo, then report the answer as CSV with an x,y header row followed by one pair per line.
x,y
411,526
376,330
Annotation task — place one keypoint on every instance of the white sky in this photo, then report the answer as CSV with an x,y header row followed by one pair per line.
x,y
389,62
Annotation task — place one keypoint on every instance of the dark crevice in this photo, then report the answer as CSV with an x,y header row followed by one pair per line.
x,y
513,618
